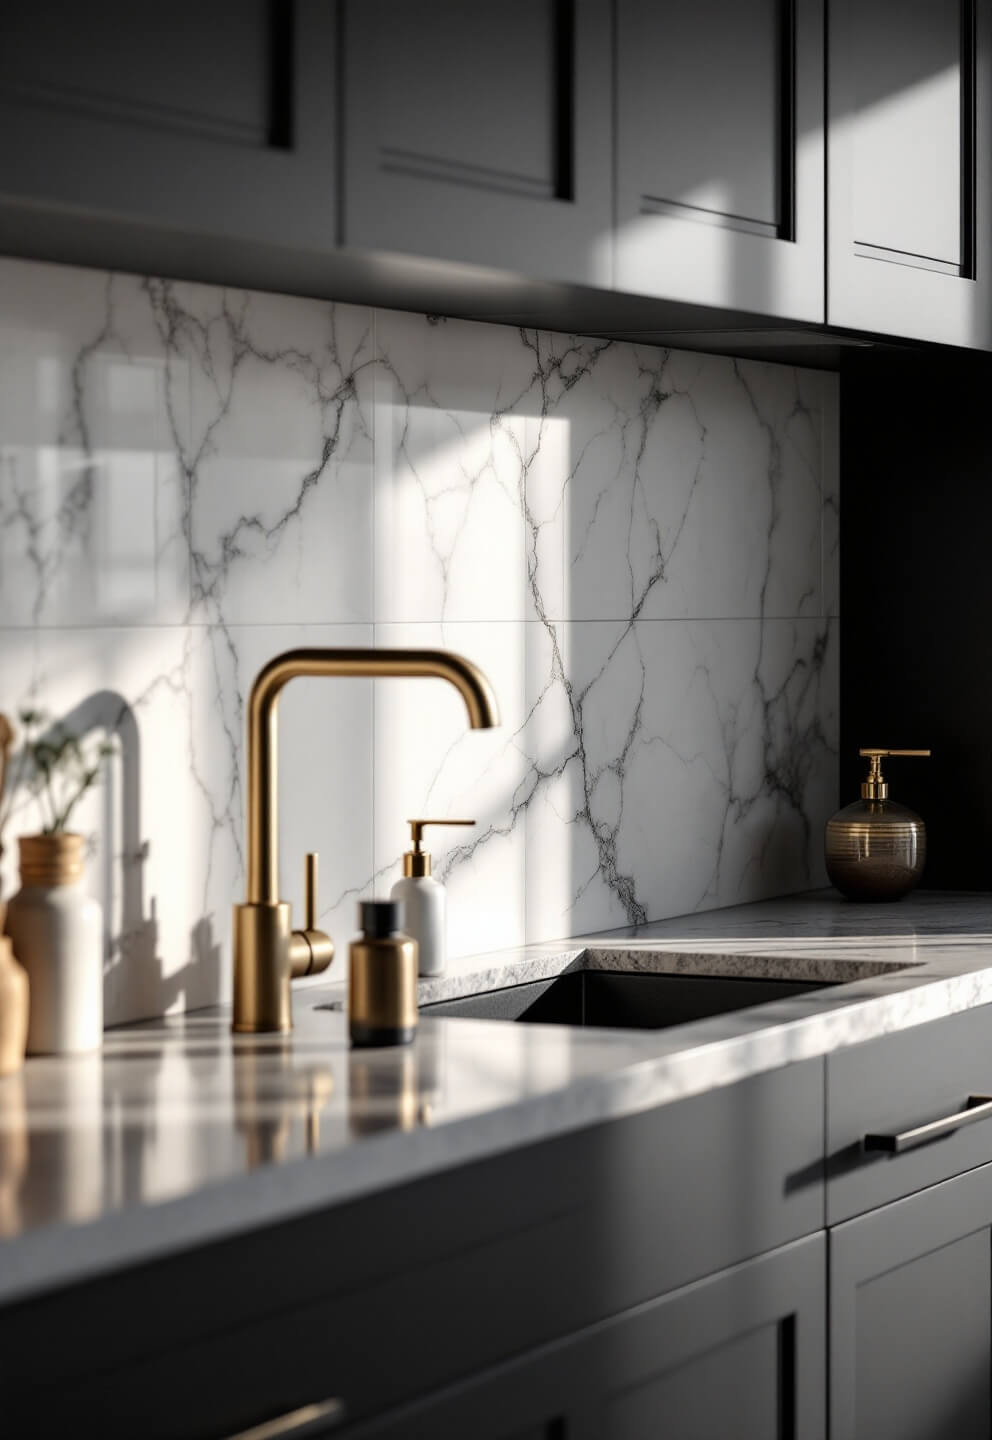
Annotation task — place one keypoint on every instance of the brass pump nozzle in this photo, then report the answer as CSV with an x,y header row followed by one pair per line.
x,y
417,862
874,787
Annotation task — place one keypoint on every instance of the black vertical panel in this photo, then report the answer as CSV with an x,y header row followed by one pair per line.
x,y
281,80
787,121
916,613
564,94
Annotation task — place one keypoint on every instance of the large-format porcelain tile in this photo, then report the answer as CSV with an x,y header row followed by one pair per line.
x,y
167,825
635,544
694,488
469,471
675,766
428,763
278,457
92,494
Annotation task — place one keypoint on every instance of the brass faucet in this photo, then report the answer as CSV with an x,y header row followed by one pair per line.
x,y
268,953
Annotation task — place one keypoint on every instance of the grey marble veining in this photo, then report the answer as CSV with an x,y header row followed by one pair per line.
x,y
179,1133
637,545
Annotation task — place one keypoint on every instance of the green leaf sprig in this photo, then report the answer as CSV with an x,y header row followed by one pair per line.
x,y
56,767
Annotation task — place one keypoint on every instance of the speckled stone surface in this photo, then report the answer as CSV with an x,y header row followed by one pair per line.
x,y
179,1133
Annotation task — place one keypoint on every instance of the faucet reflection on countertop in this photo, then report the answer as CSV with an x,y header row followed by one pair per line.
x,y
269,1097
268,953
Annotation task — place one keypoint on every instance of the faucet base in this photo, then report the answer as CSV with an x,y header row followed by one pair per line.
x,y
262,969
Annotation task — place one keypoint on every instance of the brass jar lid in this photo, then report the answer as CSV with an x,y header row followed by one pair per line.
x,y
51,859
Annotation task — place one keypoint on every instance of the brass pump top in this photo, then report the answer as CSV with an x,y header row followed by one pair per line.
x,y
417,862
874,787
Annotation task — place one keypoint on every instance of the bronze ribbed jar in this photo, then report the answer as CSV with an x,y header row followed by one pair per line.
x,y
876,849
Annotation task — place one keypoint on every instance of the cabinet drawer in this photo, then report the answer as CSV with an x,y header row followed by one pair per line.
x,y
386,1298
894,1085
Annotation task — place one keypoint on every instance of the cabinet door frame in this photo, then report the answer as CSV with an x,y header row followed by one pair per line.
x,y
866,291
104,160
729,261
882,1240
394,204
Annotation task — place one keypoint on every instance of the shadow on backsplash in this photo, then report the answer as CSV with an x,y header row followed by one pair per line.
x,y
137,983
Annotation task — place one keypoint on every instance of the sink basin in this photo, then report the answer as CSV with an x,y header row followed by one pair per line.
x,y
617,1000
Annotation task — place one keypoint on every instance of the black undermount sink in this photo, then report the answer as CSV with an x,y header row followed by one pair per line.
x,y
617,1000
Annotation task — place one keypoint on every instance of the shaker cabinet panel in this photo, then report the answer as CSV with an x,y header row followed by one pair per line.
x,y
480,133
910,99
911,1317
214,119
720,153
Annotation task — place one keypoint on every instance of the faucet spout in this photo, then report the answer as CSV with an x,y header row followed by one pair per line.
x,y
263,963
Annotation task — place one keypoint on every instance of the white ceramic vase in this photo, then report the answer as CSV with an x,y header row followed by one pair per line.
x,y
57,934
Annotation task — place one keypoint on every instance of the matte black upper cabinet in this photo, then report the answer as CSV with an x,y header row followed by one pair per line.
x,y
910,244
210,119
481,133
719,146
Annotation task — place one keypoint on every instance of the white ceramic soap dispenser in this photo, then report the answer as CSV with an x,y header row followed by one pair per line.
x,y
424,900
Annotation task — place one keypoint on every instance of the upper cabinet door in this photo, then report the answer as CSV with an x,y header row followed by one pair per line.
x,y
481,133
720,153
910,223
210,118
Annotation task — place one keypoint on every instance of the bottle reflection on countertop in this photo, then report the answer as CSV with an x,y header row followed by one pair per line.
x,y
393,1088
66,1181
13,1152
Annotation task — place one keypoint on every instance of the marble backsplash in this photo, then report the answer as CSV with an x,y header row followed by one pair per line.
x,y
638,546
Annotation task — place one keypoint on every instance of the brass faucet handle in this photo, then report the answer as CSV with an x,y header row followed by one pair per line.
x,y
310,950
311,874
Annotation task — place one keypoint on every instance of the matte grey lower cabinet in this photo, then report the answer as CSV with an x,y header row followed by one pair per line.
x,y
911,1317
742,1353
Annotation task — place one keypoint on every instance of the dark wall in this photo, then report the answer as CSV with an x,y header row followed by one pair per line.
x,y
916,595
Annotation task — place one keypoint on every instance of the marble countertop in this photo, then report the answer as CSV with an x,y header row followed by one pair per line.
x,y
179,1133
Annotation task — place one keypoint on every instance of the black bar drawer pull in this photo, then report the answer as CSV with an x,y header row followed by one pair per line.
x,y
978,1107
312,1420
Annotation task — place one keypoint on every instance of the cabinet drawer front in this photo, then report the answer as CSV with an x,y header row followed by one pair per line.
x,y
387,1298
881,1093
